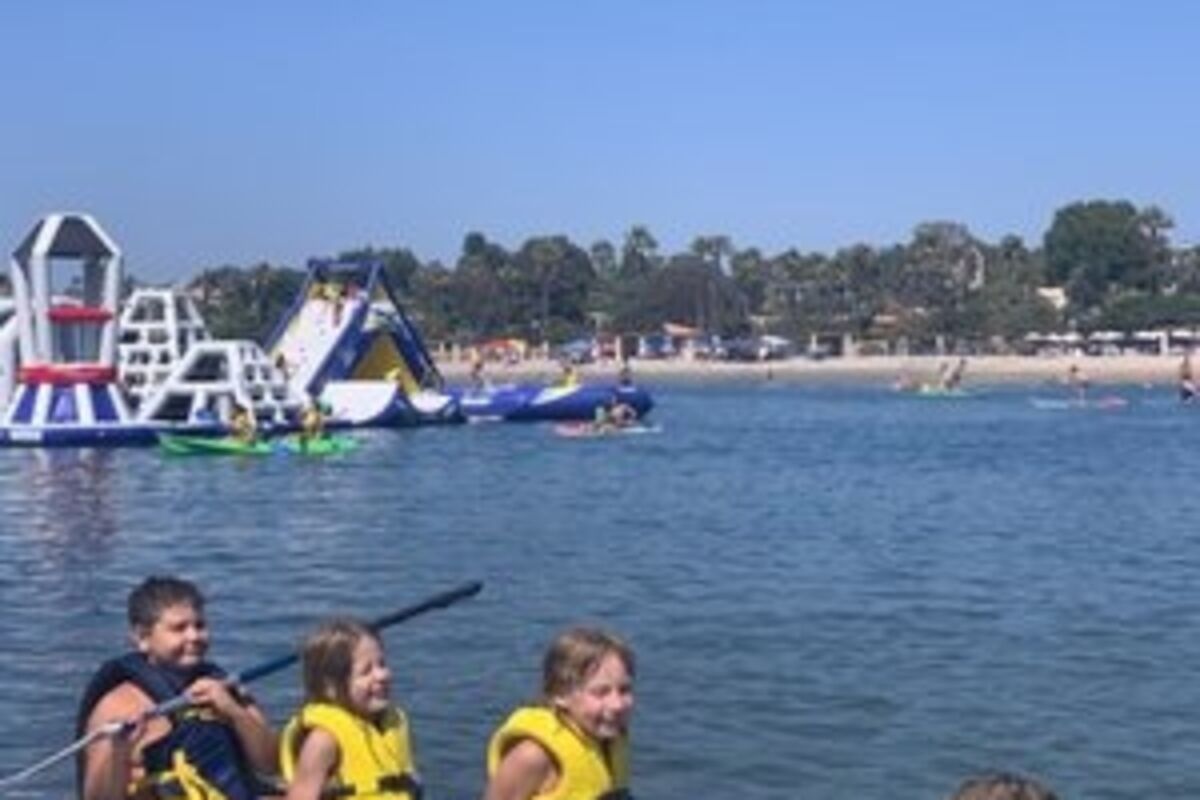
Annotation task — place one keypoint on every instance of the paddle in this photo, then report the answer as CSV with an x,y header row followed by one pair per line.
x,y
441,600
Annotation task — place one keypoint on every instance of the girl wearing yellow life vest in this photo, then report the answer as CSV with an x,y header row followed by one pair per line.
x,y
348,740
575,744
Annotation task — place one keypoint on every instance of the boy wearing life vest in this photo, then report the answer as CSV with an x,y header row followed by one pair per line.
x,y
574,745
212,748
348,740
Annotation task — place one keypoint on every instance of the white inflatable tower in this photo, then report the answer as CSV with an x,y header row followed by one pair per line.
x,y
66,280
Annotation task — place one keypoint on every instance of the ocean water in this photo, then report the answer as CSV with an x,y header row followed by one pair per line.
x,y
833,592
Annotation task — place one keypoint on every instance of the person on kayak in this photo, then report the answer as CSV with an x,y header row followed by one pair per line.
x,y
242,424
575,743
349,738
215,744
312,421
613,414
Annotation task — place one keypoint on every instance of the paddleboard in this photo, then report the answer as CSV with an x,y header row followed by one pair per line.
x,y
325,446
1105,403
589,430
931,391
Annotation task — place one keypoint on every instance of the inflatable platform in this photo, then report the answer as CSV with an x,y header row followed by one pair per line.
x,y
529,402
347,340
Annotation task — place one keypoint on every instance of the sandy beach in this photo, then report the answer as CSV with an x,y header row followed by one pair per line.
x,y
1116,369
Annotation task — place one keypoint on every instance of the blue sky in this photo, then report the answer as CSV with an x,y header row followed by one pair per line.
x,y
209,133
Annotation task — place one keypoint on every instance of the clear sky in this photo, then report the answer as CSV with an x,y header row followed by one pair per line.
x,y
216,132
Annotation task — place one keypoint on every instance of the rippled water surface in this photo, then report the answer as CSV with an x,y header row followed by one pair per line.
x,y
833,592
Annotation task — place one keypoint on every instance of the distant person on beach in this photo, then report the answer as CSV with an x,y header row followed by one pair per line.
x,y
574,742
1187,384
213,745
1077,382
1002,786
348,739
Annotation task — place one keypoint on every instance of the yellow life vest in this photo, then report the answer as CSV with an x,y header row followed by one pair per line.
x,y
374,761
587,769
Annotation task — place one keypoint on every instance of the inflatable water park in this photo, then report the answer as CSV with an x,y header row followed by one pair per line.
x,y
79,368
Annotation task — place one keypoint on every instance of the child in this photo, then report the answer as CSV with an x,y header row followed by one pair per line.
x,y
569,377
214,746
1002,786
348,739
575,743
242,425
312,421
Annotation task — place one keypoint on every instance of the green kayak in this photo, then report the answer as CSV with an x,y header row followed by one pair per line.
x,y
325,446
181,445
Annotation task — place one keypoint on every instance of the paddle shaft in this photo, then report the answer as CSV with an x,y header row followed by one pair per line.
x,y
443,600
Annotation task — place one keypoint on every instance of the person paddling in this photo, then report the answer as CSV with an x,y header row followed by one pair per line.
x,y
1078,382
242,425
348,739
952,381
575,742
216,744
1187,383
312,421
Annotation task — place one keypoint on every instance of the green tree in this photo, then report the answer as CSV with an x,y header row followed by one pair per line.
x,y
639,253
753,276
245,303
550,284
399,263
1097,246
483,303
713,250
690,291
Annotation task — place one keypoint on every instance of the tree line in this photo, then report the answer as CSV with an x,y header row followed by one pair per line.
x,y
1113,261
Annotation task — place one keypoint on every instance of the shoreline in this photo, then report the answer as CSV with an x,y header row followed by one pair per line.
x,y
1118,369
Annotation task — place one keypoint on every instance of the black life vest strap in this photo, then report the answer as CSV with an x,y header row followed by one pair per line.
x,y
617,794
403,782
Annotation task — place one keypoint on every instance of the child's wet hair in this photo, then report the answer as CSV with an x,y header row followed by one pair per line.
x,y
156,594
328,657
1002,786
575,654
